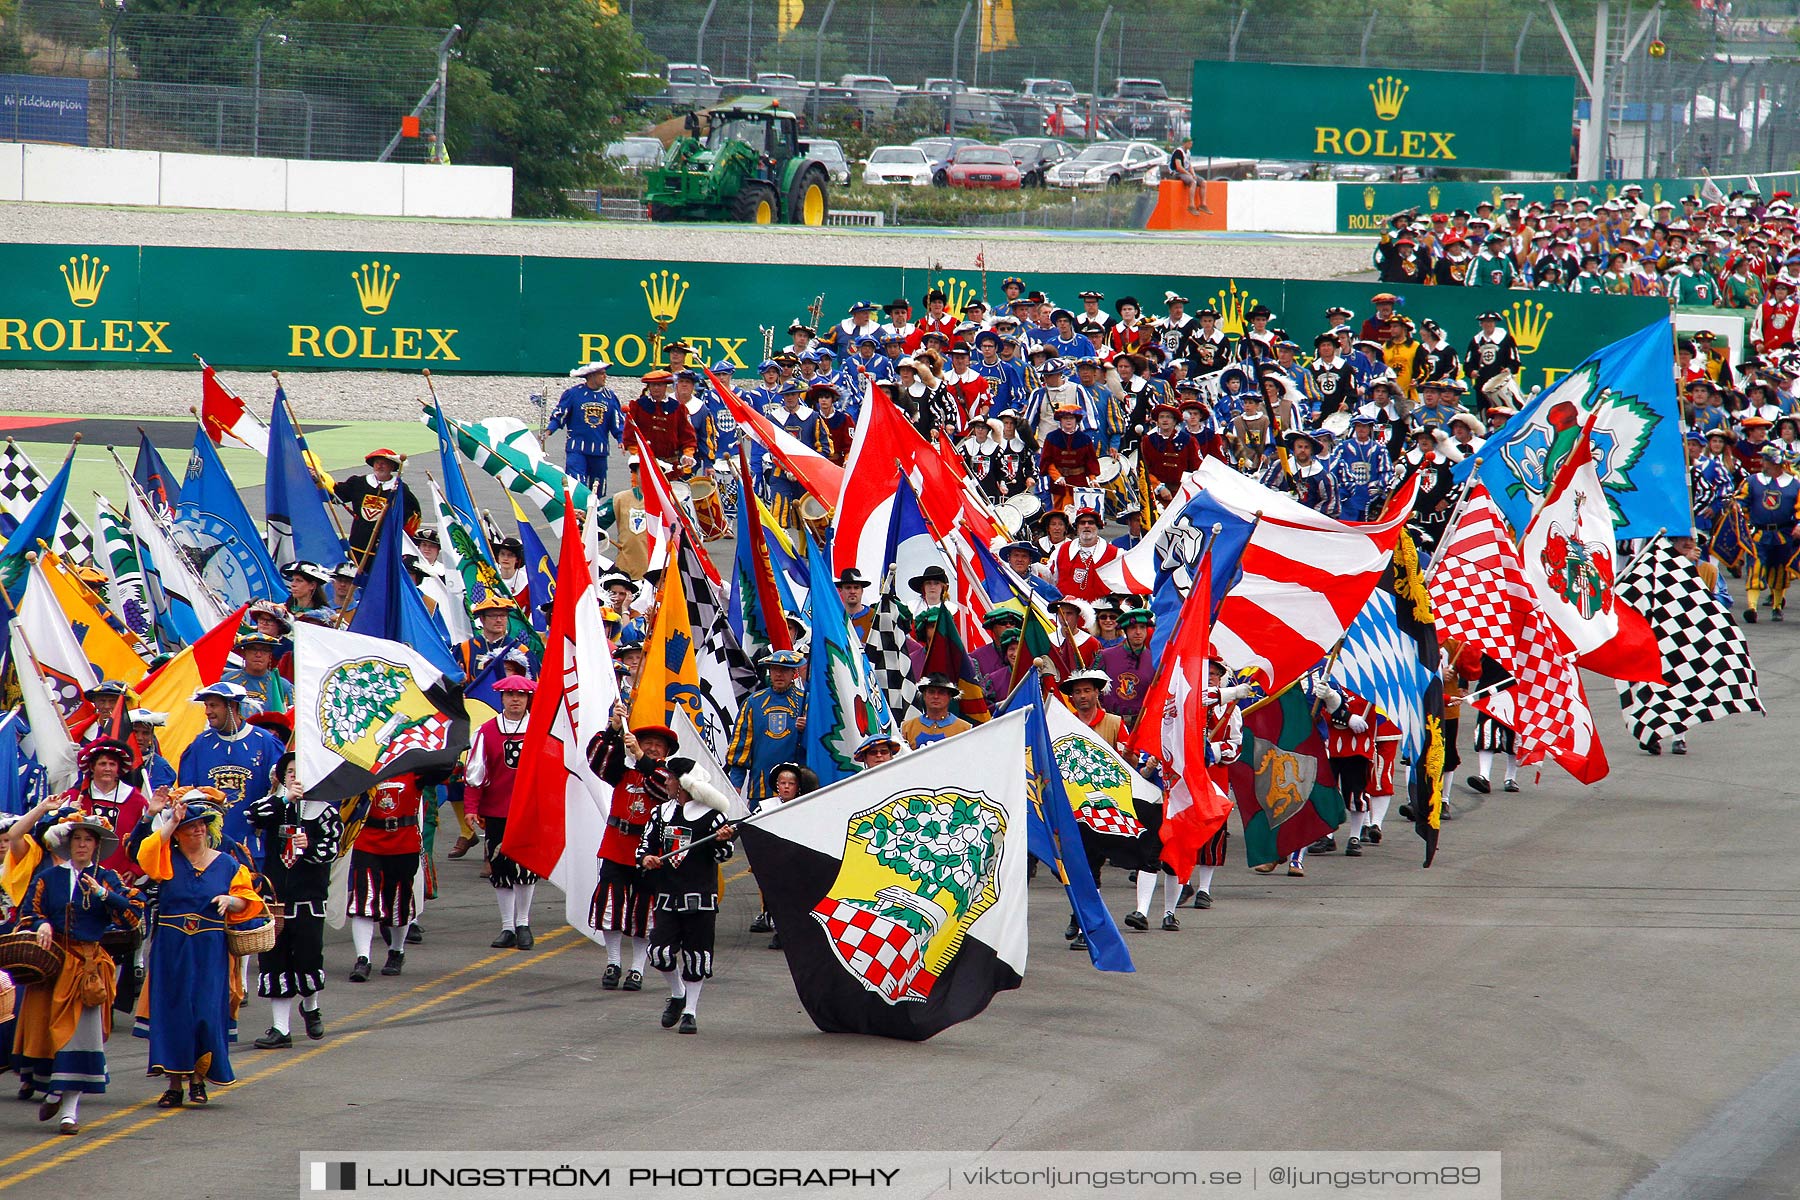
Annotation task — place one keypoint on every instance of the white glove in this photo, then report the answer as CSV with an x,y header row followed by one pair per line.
x,y
1332,698
1234,693
1358,725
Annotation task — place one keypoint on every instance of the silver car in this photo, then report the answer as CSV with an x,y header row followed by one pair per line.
x,y
1107,163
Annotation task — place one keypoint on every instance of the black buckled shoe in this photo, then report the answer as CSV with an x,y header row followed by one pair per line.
x,y
1170,924
1325,845
506,941
1202,899
414,935
1479,783
1750,615
1511,785
1072,928
763,924
1353,848
274,1040
396,959
1372,834
1078,942
1137,920
609,978
634,982
672,1011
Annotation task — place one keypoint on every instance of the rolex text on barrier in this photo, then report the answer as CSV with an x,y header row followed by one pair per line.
x,y
1460,119
95,305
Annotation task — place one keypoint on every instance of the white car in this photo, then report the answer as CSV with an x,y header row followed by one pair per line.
x,y
906,165
1106,163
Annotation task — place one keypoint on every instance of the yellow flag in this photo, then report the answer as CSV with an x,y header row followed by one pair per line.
x,y
997,30
788,14
670,675
108,649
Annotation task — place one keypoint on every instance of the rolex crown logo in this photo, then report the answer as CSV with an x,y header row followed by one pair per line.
x,y
1656,192
1369,199
663,292
957,293
1559,192
84,277
1435,194
1496,194
375,282
1389,94
1529,320
1232,306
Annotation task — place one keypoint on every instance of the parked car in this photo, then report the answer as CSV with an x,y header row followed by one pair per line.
x,y
940,150
1048,89
907,165
1107,163
1129,88
940,86
635,153
831,154
691,83
973,110
1034,156
876,93
984,167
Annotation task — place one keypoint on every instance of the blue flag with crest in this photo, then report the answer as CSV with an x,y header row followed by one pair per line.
x,y
392,607
300,526
219,534
1637,439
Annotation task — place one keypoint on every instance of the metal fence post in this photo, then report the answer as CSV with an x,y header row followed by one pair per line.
x,y
1368,28
256,91
1094,96
112,72
700,34
1519,46
1237,28
443,88
819,56
956,66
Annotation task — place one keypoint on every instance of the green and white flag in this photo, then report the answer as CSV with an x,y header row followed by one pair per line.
x,y
507,449
368,709
124,575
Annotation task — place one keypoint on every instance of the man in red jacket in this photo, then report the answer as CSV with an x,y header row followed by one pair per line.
x,y
664,423
635,763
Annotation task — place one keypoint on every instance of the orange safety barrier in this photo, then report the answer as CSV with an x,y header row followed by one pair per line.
x,y
1171,210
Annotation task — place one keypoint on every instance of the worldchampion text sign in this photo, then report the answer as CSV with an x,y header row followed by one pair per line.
x,y
1460,119
84,305
38,108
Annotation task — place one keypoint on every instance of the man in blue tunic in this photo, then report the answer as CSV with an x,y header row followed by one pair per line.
x,y
592,414
236,758
768,727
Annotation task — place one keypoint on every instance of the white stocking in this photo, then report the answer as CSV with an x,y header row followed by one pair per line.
x,y
1203,879
508,898
526,892
677,989
362,932
1378,808
693,998
1512,767
1146,890
71,1101
309,1003
612,938
282,1015
1484,763
639,950
1171,892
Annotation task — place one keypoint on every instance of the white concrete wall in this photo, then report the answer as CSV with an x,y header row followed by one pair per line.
x,y
90,175
436,191
222,181
373,188
83,175
12,171
1283,206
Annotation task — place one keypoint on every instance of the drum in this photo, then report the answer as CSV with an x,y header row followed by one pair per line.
x,y
684,496
1016,513
27,962
709,511
815,516
1110,469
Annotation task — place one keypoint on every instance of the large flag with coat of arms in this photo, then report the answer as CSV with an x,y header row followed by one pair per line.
x,y
368,709
1629,388
1284,785
900,892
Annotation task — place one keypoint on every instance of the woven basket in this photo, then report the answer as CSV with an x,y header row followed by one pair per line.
x,y
26,961
245,942
7,993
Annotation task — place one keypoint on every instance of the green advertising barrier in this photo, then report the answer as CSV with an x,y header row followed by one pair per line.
x,y
301,309
1366,207
1461,119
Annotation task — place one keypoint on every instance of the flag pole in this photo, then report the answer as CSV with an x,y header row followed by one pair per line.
x,y
331,505
206,366
1642,550
1462,500
438,405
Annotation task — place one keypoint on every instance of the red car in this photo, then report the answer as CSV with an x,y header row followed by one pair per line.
x,y
984,167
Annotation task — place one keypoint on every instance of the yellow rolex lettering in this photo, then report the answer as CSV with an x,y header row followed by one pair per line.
x,y
75,342
1357,142
729,348
1412,143
634,355
39,340
12,334
1329,140
340,341
368,343
1382,149
406,342
153,336
440,348
305,337
593,347
700,346
115,336
1440,145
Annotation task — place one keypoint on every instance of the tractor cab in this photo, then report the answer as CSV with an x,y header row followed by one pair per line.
x,y
739,162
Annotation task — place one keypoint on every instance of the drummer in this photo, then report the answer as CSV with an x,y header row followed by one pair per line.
x,y
663,423
1069,459
1167,452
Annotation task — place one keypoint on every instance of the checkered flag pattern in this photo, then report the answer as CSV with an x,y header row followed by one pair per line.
x,y
1109,821
1477,583
21,483
1548,700
1378,664
729,676
889,664
880,951
1706,662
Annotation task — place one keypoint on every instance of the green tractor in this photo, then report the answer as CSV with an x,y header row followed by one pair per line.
x,y
748,168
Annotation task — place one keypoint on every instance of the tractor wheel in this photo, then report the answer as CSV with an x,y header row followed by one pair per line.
x,y
807,203
755,204
658,212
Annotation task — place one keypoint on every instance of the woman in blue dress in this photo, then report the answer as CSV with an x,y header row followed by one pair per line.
x,y
63,1024
203,891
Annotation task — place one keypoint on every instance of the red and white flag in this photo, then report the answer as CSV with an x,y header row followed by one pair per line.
x,y
816,473
1194,807
661,514
1302,579
1477,584
1570,565
224,414
1133,573
1547,709
559,805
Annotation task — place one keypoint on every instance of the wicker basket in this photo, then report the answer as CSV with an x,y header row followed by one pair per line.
x,y
256,940
26,961
7,994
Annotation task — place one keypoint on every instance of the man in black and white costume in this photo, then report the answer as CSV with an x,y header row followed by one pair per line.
x,y
685,887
